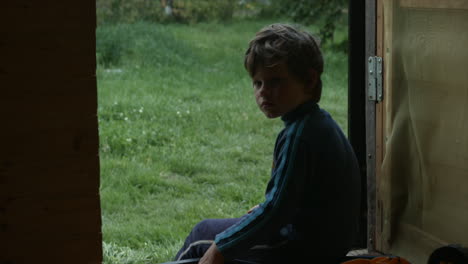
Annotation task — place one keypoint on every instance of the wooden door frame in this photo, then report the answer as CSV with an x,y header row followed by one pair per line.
x,y
374,126
370,113
363,124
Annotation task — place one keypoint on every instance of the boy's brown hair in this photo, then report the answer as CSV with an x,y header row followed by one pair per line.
x,y
278,43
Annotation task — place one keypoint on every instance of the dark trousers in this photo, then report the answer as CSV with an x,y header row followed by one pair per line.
x,y
203,234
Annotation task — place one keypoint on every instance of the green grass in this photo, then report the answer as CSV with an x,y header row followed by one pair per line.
x,y
181,138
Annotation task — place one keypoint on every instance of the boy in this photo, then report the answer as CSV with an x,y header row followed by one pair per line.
x,y
311,205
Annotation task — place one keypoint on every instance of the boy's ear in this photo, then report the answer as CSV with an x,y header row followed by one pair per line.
x,y
312,84
312,79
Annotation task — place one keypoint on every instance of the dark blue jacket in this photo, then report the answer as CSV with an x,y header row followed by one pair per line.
x,y
312,199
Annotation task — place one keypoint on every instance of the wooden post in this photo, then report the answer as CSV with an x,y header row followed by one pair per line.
x,y
49,164
357,102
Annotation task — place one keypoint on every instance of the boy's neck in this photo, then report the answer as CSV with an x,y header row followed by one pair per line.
x,y
299,111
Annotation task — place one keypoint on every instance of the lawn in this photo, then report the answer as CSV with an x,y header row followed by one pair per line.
x,y
181,138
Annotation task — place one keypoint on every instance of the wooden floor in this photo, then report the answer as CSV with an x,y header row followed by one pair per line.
x,y
358,252
363,251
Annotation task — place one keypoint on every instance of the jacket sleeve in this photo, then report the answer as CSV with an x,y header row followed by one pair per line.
x,y
286,184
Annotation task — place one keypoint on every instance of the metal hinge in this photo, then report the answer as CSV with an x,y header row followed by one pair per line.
x,y
374,77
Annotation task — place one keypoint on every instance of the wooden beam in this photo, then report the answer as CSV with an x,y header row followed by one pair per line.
x,y
357,102
49,164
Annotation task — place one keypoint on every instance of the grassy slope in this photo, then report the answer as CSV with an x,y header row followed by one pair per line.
x,y
181,137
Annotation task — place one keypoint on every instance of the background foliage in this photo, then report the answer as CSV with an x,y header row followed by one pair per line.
x,y
184,11
128,11
203,10
328,15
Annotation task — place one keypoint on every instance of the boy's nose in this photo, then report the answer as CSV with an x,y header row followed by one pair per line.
x,y
264,90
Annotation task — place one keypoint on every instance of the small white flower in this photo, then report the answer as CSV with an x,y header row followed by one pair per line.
x,y
188,112
114,70
126,118
141,110
129,140
178,113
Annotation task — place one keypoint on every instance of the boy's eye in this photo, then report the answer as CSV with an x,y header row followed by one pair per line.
x,y
257,84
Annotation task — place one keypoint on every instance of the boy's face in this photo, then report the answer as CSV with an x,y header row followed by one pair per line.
x,y
277,91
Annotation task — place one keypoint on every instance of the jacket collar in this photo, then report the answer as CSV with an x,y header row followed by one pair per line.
x,y
299,112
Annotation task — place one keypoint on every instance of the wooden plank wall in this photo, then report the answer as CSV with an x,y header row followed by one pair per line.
x,y
49,164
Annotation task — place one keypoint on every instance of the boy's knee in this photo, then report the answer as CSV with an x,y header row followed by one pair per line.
x,y
208,229
202,226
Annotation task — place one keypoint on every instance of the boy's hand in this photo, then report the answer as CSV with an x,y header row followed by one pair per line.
x,y
212,256
251,209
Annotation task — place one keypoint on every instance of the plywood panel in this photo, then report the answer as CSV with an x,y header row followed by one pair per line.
x,y
424,170
432,4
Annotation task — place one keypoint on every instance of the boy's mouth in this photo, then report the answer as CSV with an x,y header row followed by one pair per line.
x,y
267,104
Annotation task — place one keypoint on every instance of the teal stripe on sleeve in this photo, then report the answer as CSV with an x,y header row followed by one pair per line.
x,y
232,236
